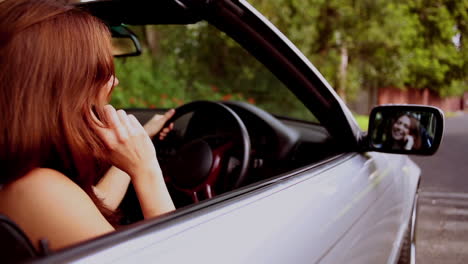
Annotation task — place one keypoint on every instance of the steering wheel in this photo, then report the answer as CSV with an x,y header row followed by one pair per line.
x,y
204,158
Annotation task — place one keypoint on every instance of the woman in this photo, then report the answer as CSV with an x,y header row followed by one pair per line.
x,y
405,133
66,155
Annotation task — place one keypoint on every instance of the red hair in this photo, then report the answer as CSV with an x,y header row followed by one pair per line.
x,y
55,60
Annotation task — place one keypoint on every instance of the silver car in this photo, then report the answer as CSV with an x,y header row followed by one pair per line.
x,y
257,186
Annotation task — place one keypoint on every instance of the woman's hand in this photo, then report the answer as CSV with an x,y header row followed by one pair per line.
x,y
131,149
157,122
409,142
113,185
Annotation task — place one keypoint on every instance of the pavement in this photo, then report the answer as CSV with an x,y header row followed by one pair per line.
x,y
442,222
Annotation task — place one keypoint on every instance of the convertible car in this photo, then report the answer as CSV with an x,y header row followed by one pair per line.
x,y
280,173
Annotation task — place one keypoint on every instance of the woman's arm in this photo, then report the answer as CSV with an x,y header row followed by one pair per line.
x,y
112,187
152,192
47,204
153,195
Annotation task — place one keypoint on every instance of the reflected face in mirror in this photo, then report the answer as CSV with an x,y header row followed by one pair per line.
x,y
400,129
405,133
406,129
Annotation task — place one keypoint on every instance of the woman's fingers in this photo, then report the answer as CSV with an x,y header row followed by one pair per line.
x,y
115,128
166,131
102,126
156,123
110,116
169,114
135,124
119,127
122,126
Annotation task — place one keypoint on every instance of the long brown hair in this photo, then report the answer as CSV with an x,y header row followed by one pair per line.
x,y
415,131
54,61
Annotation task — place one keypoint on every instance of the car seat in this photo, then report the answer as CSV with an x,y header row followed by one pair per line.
x,y
15,245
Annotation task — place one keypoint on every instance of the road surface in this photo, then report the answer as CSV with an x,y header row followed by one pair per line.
x,y
442,223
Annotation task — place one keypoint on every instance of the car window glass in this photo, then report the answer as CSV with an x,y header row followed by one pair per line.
x,y
180,64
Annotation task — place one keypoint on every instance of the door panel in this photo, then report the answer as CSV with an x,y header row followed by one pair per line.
x,y
372,239
307,218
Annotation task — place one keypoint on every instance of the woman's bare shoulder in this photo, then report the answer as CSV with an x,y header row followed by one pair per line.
x,y
40,183
47,204
38,178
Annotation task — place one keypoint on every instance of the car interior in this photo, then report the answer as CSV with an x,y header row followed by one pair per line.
x,y
226,136
187,156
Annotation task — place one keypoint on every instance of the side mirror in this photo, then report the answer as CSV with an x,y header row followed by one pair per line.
x,y
124,42
405,129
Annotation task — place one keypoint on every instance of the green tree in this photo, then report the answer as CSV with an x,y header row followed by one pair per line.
x,y
437,62
361,46
358,45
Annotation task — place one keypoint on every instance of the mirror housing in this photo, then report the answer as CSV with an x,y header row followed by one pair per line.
x,y
405,129
124,42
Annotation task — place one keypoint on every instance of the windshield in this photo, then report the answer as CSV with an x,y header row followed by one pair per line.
x,y
180,64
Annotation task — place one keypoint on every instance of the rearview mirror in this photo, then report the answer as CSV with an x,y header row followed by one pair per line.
x,y
124,42
405,129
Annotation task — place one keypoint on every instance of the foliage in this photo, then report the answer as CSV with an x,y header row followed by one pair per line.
x,y
437,62
198,62
358,45
363,121
389,43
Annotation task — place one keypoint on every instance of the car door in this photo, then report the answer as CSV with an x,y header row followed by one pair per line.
x,y
382,206
320,214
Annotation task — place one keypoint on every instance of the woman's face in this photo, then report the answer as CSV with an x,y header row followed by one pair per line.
x,y
401,128
104,95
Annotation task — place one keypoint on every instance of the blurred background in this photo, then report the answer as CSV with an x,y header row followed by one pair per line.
x,y
371,51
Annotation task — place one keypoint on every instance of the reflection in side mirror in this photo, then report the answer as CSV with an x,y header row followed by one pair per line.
x,y
124,42
408,129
